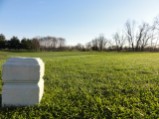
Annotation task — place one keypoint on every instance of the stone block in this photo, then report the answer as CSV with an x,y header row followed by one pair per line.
x,y
23,83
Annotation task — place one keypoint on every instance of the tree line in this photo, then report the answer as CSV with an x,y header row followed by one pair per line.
x,y
37,43
133,37
15,43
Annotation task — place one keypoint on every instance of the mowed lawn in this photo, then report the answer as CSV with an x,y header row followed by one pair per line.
x,y
93,85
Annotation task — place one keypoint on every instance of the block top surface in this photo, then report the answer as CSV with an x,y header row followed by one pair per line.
x,y
24,61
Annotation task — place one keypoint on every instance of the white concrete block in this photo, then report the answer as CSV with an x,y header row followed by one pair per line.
x,y
23,82
23,69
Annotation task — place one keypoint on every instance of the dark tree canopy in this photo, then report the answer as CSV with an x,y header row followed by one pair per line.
x,y
14,43
2,41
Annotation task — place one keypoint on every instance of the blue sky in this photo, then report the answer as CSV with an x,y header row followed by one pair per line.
x,y
78,21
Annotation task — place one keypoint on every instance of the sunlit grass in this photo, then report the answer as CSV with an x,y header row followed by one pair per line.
x,y
94,85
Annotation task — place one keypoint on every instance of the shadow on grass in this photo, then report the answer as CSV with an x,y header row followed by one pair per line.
x,y
8,111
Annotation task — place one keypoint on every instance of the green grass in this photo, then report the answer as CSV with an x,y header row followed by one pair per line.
x,y
93,85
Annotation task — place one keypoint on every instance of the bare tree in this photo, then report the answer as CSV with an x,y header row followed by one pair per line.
x,y
102,42
119,40
138,38
146,30
79,47
61,42
99,43
54,42
35,44
129,29
156,23
89,45
142,37
95,44
155,35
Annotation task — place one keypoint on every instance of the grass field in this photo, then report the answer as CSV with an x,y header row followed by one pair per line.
x,y
93,85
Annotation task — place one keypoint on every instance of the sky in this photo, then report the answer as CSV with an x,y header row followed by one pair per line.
x,y
78,21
